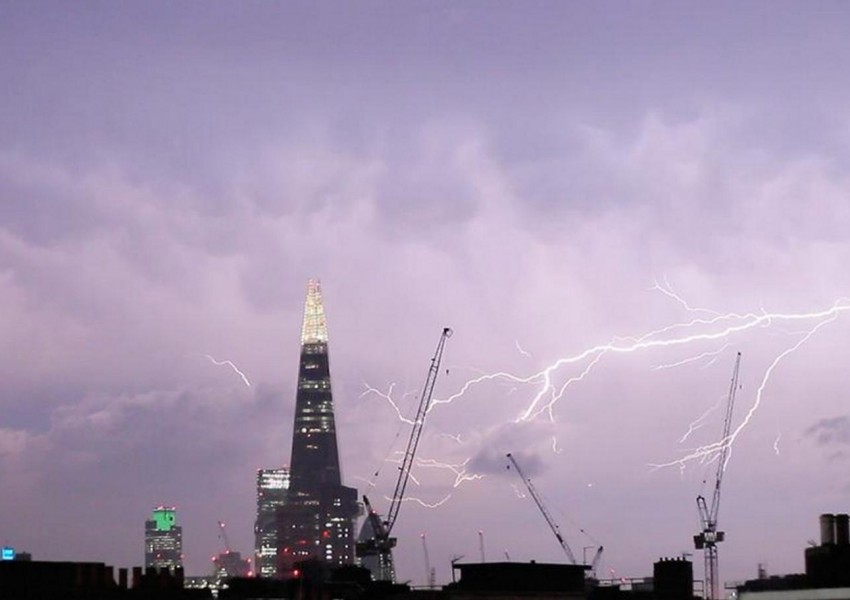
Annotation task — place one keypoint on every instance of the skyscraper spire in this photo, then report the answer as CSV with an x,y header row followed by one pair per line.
x,y
314,329
315,458
317,518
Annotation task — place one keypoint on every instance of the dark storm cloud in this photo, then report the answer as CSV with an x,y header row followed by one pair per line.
x,y
833,430
171,174
527,442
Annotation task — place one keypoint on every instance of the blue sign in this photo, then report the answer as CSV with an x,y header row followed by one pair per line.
x,y
8,553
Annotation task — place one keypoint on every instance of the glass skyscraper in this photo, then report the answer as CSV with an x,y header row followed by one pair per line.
x,y
317,518
272,485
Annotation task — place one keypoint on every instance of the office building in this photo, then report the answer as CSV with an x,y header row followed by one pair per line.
x,y
163,540
272,485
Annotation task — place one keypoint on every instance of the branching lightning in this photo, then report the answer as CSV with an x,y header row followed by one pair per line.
x,y
388,396
459,470
710,452
713,353
667,290
700,421
721,327
232,366
546,387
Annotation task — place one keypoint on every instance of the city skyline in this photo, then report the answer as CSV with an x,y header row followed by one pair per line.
x,y
551,180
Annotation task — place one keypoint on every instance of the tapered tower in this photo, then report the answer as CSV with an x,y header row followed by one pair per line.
x,y
315,456
317,520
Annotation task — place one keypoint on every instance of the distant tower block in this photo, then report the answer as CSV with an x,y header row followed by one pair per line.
x,y
317,519
272,486
163,539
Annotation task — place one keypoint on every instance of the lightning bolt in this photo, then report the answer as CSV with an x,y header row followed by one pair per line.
x,y
555,448
547,386
699,422
459,470
726,325
776,443
231,365
421,502
710,452
520,350
388,396
667,290
691,359
530,412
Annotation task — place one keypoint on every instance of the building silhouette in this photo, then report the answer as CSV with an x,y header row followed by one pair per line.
x,y
272,486
317,518
163,540
827,569
230,564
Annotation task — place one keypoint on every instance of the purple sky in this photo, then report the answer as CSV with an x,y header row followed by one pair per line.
x,y
172,173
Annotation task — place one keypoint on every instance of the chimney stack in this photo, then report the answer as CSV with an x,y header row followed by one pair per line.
x,y
842,529
827,529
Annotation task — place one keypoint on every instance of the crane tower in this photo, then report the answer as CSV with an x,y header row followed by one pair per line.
x,y
543,510
378,544
709,537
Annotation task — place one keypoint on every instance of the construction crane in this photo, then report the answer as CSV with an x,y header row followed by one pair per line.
x,y
222,533
597,557
549,521
594,563
709,537
481,545
380,544
430,573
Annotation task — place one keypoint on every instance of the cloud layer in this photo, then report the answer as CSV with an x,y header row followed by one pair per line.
x,y
169,180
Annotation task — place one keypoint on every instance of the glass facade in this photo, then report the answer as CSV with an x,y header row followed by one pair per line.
x,y
272,485
317,518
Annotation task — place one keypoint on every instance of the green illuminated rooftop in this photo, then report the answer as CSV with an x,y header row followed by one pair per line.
x,y
165,518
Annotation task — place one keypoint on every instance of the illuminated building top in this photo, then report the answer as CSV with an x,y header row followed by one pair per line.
x,y
163,539
314,329
164,517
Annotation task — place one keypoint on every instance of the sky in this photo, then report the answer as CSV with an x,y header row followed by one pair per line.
x,y
552,180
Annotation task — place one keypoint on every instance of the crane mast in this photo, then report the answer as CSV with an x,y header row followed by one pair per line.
x,y
223,536
381,544
540,505
595,562
709,537
430,574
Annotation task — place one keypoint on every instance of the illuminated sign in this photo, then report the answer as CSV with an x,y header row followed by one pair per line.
x,y
164,518
8,553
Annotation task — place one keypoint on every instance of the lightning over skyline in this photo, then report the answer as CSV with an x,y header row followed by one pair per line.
x,y
710,452
230,364
605,201
548,386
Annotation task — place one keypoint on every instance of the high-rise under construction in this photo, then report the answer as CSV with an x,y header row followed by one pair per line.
x,y
317,518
